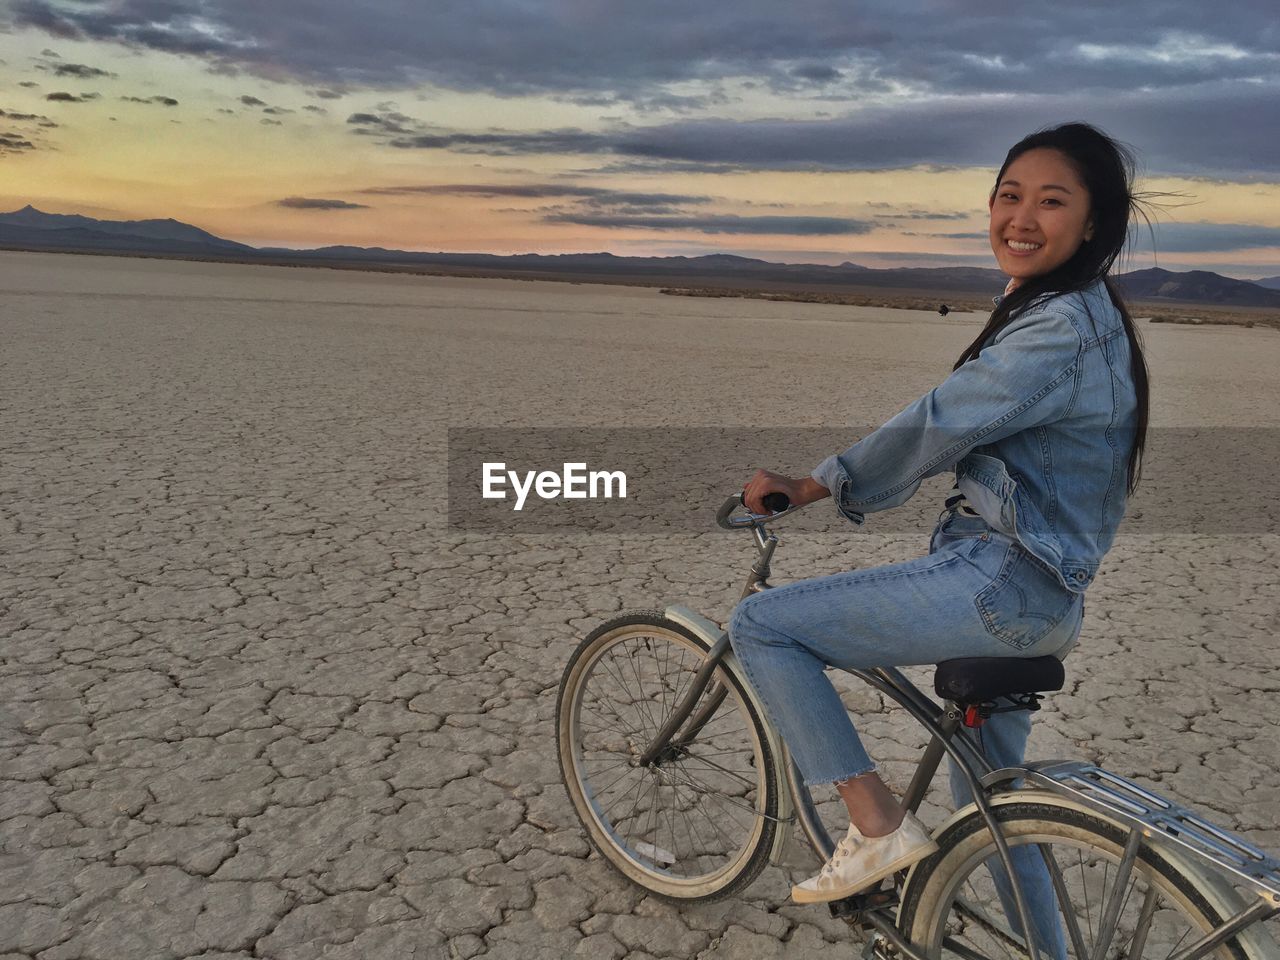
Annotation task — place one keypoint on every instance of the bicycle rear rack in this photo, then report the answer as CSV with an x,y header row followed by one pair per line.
x,y
1137,806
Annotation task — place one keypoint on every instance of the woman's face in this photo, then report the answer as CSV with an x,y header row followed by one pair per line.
x,y
1040,214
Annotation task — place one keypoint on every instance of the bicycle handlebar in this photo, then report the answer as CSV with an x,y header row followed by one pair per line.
x,y
777,501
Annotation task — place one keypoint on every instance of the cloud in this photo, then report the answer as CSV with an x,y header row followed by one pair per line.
x,y
817,72
14,143
659,101
61,96
638,50
498,142
267,121
325,94
595,196
657,167
382,124
922,214
1206,237
163,101
920,87
1234,135
249,101
722,224
78,70
28,83
22,117
277,110
312,108
314,203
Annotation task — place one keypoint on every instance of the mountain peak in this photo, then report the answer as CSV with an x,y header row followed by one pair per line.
x,y
72,230
1195,286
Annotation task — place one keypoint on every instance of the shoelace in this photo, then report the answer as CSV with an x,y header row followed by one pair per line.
x,y
843,849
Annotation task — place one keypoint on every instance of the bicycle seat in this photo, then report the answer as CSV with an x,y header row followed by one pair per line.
x,y
981,679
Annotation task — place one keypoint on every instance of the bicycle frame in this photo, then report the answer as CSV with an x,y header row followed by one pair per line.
x,y
968,759
891,682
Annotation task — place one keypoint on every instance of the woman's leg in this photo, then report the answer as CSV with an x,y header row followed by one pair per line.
x,y
917,612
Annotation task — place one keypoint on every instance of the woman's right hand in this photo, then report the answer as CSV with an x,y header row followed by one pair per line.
x,y
799,490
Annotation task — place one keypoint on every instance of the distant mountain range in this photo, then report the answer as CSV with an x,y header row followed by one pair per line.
x,y
32,229
1196,286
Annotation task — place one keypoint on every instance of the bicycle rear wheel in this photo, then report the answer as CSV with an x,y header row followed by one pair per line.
x,y
953,908
698,824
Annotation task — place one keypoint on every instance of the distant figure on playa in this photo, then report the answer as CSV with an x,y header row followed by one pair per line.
x,y
1043,421
943,310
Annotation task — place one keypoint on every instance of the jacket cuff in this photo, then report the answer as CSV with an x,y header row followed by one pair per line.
x,y
832,475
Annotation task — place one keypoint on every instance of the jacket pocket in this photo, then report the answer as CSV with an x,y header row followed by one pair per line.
x,y
1025,600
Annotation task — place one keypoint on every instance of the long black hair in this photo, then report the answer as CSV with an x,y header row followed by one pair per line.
x,y
1106,168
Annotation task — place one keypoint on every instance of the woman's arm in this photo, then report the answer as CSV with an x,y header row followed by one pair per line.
x,y
1023,379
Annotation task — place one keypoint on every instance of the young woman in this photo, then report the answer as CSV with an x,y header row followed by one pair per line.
x,y
1043,420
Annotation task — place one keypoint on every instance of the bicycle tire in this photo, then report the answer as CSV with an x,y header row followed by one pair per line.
x,y
929,900
675,860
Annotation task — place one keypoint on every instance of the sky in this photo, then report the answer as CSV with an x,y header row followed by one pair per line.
x,y
815,131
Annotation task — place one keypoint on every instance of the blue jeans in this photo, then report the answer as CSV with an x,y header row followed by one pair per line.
x,y
976,594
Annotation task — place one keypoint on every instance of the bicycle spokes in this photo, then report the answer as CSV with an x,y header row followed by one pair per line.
x,y
694,815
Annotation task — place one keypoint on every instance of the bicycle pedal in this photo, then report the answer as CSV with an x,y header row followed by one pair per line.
x,y
852,908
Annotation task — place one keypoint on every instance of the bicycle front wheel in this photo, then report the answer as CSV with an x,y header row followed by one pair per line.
x,y
954,905
698,823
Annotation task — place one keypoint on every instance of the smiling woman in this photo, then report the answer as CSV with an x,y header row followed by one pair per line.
x,y
1061,210
1037,420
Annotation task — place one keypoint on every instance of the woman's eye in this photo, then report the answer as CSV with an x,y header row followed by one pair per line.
x,y
1053,201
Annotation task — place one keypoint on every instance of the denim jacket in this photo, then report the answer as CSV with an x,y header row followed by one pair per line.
x,y
1037,428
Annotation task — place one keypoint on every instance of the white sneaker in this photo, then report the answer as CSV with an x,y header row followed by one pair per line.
x,y
860,861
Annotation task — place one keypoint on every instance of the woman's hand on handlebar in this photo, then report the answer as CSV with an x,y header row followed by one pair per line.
x,y
799,491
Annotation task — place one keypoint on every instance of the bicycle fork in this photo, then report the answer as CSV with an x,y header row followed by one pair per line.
x,y
662,745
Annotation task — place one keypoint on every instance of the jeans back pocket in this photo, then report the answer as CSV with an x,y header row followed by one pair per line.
x,y
1024,602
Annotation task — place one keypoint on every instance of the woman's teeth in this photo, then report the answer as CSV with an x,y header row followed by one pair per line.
x,y
1023,247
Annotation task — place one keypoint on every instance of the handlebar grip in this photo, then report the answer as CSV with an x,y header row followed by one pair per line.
x,y
776,501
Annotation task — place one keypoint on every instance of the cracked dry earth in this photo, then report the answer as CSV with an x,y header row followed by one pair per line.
x,y
256,700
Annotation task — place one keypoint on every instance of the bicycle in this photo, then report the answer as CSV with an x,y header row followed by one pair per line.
x,y
682,784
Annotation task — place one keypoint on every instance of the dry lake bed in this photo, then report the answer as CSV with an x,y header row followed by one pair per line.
x,y
259,699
